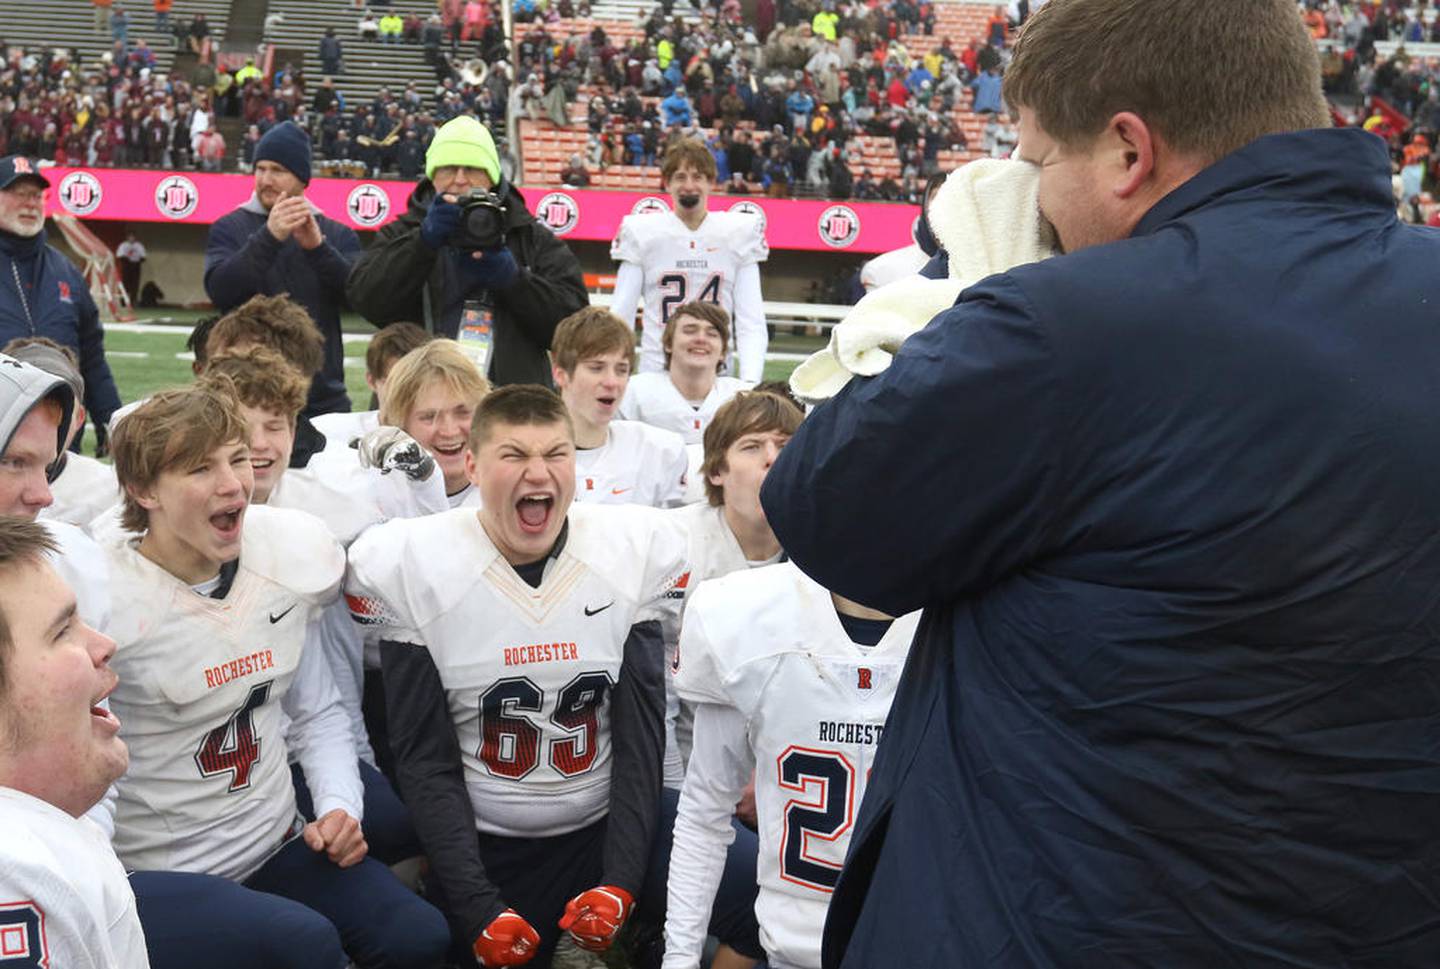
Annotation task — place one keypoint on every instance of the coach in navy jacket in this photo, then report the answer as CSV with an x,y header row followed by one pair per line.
x,y
1172,505
244,256
44,294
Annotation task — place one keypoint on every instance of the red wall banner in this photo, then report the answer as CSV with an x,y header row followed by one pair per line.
x,y
142,195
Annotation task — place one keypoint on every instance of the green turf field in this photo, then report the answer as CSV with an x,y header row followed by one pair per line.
x,y
146,362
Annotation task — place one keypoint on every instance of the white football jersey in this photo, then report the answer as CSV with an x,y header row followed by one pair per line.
x,y
85,488
350,498
652,399
84,567
681,266
712,551
528,672
809,704
64,899
202,682
342,427
637,465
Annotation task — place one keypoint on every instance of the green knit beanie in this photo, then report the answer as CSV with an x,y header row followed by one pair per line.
x,y
463,141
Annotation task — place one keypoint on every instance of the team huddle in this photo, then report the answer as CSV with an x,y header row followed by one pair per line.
x,y
444,681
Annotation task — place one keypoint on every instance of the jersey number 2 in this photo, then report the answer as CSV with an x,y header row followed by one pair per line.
x,y
233,747
510,742
824,782
675,284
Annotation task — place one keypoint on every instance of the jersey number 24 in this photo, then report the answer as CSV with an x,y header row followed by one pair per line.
x,y
675,284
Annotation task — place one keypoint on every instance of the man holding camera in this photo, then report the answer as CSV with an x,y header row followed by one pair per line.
x,y
469,261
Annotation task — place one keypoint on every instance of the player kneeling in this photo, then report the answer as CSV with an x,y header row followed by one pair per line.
x,y
522,654
213,608
792,686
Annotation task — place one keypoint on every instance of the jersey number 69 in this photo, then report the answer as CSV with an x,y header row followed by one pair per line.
x,y
510,741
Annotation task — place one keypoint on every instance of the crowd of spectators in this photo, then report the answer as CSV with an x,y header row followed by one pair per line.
x,y
779,99
1394,94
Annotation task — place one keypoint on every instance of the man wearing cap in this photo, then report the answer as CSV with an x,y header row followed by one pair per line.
x,y
530,279
44,294
278,242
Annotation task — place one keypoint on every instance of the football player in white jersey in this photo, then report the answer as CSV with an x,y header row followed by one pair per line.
x,y
385,348
431,394
348,499
212,610
685,396
64,898
616,462
792,687
668,259
728,532
81,486
524,670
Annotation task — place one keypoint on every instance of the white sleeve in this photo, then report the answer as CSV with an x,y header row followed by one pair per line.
x,y
721,764
344,649
751,337
320,735
629,281
672,487
674,758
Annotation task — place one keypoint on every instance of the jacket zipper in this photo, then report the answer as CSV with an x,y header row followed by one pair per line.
x,y
24,303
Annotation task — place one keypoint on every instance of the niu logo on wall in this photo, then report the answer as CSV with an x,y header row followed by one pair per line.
x,y
839,226
176,197
750,208
80,193
368,205
650,203
559,212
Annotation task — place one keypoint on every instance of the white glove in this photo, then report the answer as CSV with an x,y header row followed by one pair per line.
x,y
391,449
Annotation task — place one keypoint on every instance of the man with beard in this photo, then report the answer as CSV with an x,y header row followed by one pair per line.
x,y
279,242
44,294
690,254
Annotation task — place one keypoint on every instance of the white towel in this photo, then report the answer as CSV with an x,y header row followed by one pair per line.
x,y
987,218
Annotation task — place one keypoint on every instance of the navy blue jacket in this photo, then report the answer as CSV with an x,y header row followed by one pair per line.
x,y
45,295
1172,506
242,259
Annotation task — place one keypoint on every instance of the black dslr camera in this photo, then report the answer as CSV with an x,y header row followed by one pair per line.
x,y
482,221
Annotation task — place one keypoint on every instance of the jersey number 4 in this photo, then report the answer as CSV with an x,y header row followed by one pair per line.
x,y
823,809
233,747
674,285
510,741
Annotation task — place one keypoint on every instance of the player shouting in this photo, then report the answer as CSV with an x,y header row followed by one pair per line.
x,y
214,604
524,674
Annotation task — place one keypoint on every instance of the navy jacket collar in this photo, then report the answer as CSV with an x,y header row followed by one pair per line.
x,y
21,247
1344,167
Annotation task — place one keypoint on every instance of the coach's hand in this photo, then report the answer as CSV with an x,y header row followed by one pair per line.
x,y
339,836
593,917
508,940
391,449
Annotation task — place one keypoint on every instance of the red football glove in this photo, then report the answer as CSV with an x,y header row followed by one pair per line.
x,y
592,918
508,940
